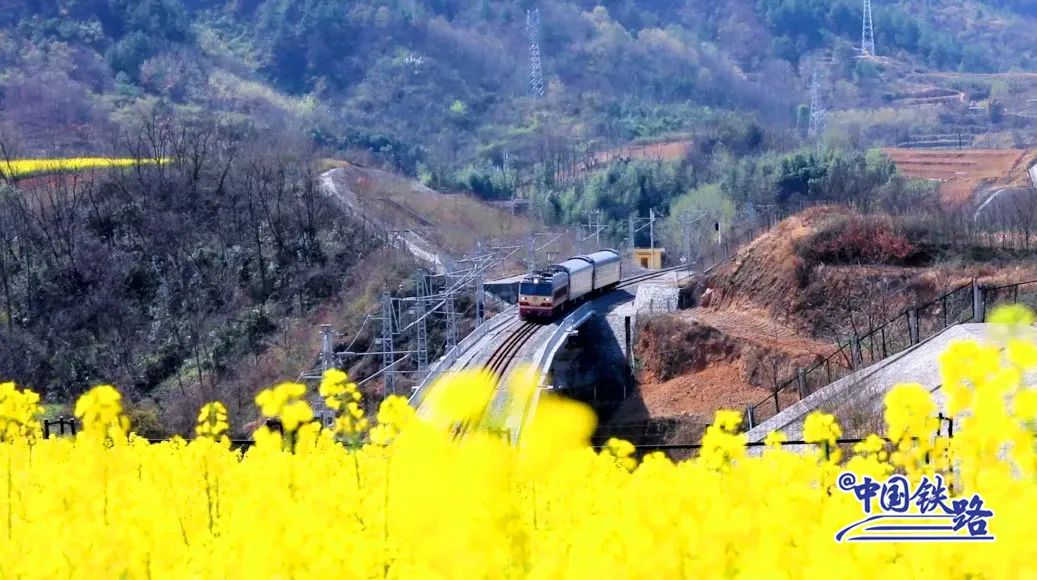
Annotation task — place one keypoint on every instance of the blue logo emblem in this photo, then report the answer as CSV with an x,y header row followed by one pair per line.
x,y
934,519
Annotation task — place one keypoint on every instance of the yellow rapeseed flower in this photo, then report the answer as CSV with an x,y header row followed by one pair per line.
x,y
24,167
407,496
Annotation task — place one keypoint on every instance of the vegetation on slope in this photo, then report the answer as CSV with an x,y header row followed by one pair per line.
x,y
441,87
167,275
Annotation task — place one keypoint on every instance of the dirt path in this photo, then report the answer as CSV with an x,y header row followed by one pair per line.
x,y
753,326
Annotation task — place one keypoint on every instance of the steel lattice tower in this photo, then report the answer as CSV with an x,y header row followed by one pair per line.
x,y
867,32
536,71
450,312
388,350
421,331
817,106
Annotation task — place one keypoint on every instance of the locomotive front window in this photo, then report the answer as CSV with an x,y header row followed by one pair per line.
x,y
531,289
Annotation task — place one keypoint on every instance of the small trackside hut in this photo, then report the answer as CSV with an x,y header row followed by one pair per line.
x,y
545,293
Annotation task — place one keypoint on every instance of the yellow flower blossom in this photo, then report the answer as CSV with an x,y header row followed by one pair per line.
x,y
24,167
774,439
408,495
822,429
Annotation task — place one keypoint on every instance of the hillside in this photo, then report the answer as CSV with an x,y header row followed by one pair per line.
x,y
961,174
696,112
443,86
783,301
209,276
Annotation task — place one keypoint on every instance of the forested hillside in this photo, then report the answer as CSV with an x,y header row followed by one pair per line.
x,y
441,87
168,276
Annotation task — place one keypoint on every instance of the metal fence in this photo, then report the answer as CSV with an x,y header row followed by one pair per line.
x,y
651,432
903,331
679,452
1018,293
69,427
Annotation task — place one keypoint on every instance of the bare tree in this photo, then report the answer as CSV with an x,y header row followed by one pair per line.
x,y
10,149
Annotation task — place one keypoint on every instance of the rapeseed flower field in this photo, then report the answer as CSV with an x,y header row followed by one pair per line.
x,y
25,167
402,496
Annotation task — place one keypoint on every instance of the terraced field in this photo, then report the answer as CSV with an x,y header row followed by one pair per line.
x,y
963,172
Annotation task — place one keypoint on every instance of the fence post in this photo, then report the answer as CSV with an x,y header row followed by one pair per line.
x,y
802,378
912,325
749,419
979,307
777,405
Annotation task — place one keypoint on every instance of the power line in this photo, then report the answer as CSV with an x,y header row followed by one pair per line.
x,y
638,224
594,229
398,315
688,220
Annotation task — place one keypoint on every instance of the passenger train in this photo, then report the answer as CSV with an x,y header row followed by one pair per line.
x,y
547,292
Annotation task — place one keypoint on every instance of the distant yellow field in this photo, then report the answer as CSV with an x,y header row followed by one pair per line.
x,y
24,167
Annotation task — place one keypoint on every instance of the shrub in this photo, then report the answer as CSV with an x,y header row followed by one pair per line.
x,y
858,239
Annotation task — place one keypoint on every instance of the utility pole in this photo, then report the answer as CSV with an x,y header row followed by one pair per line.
x,y
688,219
327,362
327,353
597,232
451,318
536,71
480,298
651,230
867,32
817,106
532,251
631,233
388,353
636,224
421,331
594,228
686,223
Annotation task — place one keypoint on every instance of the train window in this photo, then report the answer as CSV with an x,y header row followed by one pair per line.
x,y
531,289
560,293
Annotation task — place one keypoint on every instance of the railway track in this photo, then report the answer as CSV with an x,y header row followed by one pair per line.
x,y
642,277
518,333
497,365
505,354
521,332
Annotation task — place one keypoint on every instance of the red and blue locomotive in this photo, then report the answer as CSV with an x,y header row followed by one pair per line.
x,y
549,291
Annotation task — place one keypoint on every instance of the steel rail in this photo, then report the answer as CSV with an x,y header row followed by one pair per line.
x,y
505,354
